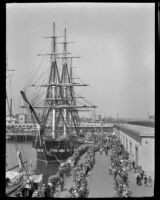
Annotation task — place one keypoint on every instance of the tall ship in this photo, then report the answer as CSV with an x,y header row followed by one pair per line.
x,y
54,106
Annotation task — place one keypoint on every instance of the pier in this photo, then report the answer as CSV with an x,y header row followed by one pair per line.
x,y
101,183
26,136
96,127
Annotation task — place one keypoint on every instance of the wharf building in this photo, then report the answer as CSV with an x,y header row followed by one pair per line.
x,y
20,128
139,142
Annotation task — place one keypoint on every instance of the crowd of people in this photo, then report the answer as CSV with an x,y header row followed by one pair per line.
x,y
64,171
143,179
31,189
119,167
77,154
80,189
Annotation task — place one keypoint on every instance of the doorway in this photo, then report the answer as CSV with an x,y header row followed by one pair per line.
x,y
136,156
131,148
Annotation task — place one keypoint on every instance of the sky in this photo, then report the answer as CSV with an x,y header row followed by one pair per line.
x,y
115,42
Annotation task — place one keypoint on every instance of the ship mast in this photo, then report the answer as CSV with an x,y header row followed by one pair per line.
x,y
9,105
64,61
53,60
67,87
60,98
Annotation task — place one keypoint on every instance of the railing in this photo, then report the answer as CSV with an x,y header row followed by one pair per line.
x,y
24,133
96,125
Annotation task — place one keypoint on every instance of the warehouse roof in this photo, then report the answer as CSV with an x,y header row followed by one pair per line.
x,y
142,131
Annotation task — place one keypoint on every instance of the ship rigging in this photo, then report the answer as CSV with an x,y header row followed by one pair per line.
x,y
59,104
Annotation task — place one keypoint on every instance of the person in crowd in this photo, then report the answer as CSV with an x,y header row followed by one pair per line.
x,y
130,165
47,191
22,190
135,169
106,152
140,169
118,178
125,178
125,192
35,185
35,194
142,174
120,189
122,173
54,189
71,191
138,179
115,173
110,169
150,181
87,170
27,190
145,180
51,185
43,189
124,169
101,151
84,169
133,164
61,181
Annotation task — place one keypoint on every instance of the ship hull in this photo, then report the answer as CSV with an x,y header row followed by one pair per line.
x,y
56,157
55,151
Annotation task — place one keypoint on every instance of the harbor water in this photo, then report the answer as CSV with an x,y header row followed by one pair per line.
x,y
29,154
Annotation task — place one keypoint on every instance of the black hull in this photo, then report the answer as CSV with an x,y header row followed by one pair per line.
x,y
55,151
56,157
